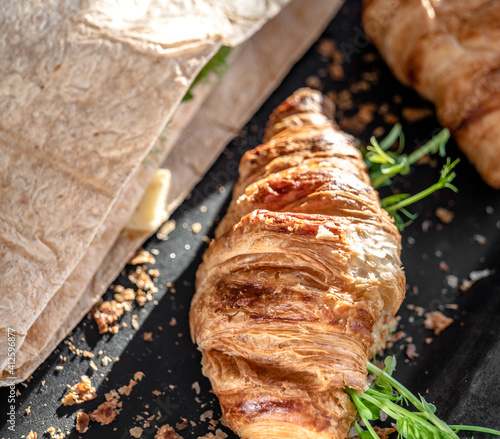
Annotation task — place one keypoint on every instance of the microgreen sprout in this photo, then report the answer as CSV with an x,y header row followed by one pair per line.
x,y
390,396
396,204
384,163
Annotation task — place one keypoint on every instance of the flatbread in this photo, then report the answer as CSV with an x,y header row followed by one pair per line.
x,y
256,67
87,87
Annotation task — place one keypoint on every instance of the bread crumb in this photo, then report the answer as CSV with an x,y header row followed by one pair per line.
x,y
136,432
106,412
437,321
165,230
480,239
196,387
182,425
106,315
105,360
28,410
166,432
336,72
445,215
148,336
391,119
466,284
127,389
142,257
313,81
82,422
88,354
196,227
443,266
31,435
80,392
411,351
415,114
207,415
138,376
142,279
219,434
128,294
384,433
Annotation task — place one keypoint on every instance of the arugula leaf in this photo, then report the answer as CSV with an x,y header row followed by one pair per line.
x,y
217,65
389,395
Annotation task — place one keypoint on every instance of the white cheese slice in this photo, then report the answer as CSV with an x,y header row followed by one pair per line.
x,y
151,211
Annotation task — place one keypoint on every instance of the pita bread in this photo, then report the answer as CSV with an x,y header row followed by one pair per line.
x,y
69,296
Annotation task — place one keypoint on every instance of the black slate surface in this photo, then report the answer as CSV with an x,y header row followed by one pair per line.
x,y
458,371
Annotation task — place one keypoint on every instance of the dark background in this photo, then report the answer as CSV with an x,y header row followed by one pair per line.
x,y
458,371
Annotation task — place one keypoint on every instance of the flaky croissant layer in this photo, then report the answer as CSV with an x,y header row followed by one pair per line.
x,y
304,264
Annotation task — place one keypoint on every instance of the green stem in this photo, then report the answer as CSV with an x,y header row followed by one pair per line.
x,y
395,132
431,146
411,397
414,198
370,428
397,385
473,428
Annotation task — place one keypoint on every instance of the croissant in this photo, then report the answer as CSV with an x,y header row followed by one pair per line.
x,y
303,267
448,51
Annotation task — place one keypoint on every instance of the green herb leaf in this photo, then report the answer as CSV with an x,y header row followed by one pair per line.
x,y
217,66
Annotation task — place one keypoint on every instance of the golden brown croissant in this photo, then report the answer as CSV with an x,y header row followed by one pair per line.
x,y
449,51
303,266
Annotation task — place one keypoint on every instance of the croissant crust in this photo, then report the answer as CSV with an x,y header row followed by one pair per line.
x,y
303,266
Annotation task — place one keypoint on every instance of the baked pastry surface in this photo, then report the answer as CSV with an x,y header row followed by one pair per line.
x,y
303,266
